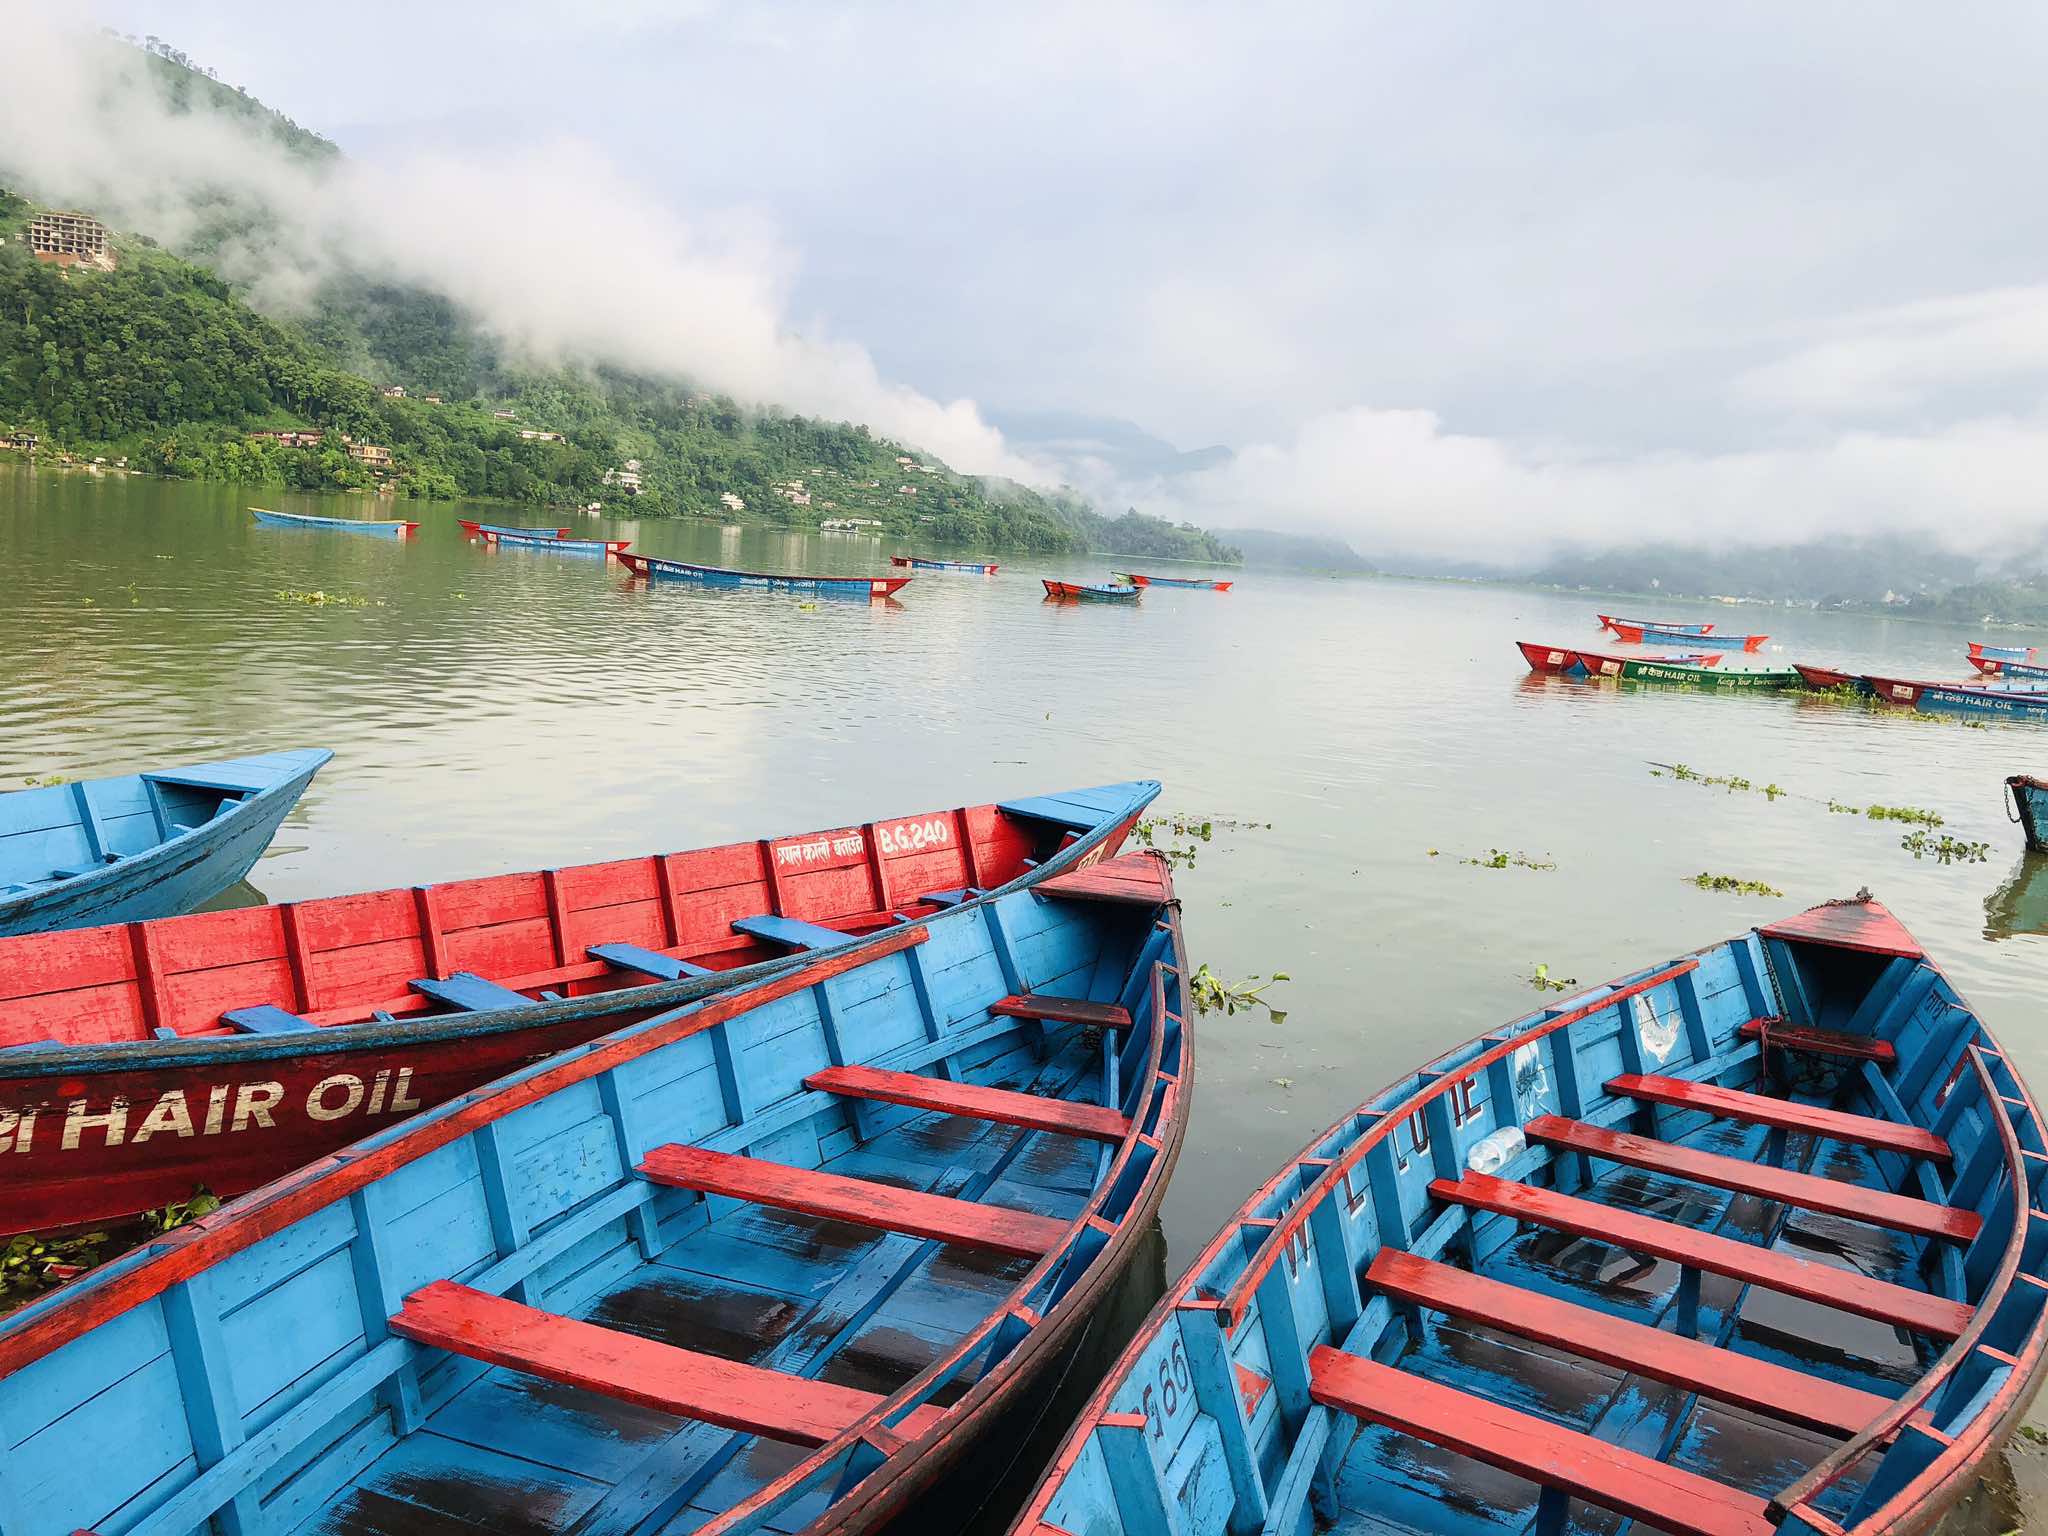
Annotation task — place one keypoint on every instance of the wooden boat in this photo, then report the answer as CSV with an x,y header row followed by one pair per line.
x,y
972,567
2018,700
557,546
1673,626
1826,679
716,576
1085,592
1552,658
390,530
2029,807
2002,652
771,1261
1635,634
224,1048
1741,1244
1200,584
142,845
2024,671
1634,669
477,530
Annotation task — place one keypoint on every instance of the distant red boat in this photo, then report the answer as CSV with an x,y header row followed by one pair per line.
x,y
1644,634
1087,592
1198,583
1819,678
1541,658
1671,626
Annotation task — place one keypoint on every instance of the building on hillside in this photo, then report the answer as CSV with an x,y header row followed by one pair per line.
x,y
627,480
370,456
505,415
431,399
25,441
732,501
529,435
311,437
905,460
906,490
70,239
634,465
393,391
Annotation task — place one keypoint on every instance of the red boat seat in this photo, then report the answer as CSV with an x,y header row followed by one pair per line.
x,y
625,1366
1136,878
997,1228
1821,1042
1722,1374
1654,1492
1063,1010
1902,1213
1030,1110
1843,1289
1758,1109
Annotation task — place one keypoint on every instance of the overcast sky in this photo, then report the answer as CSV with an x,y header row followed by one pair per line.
x,y
1571,255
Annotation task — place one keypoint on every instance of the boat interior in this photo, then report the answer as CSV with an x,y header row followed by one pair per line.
x,y
1748,1243
654,1278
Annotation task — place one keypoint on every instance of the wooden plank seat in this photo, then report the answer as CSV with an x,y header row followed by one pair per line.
x,y
1136,879
949,898
1783,1114
1544,1452
1062,1010
470,992
1821,1042
1901,1213
1004,1107
1897,1305
649,962
732,1395
792,932
264,1019
810,1192
1773,1390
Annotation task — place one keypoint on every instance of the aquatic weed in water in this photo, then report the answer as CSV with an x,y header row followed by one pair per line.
x,y
1212,994
1947,850
1500,858
1543,981
1707,882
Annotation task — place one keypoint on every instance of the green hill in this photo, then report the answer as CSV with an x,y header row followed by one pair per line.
x,y
162,361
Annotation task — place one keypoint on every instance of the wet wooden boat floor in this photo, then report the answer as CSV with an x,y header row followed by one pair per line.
x,y
516,1455
1392,1483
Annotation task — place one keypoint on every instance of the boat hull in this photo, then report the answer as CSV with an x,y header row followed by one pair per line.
x,y
2023,671
864,587
1195,583
476,530
1083,592
1704,676
1406,1424
2030,808
2024,702
555,545
1636,634
1550,658
971,567
120,1121
388,530
1671,626
576,1225
2022,653
155,878
1826,679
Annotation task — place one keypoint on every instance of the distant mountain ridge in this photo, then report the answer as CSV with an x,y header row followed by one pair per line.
x,y
1075,440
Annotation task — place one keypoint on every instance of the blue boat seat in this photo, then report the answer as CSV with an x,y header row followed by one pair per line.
x,y
952,898
29,1045
650,962
265,1020
470,992
793,932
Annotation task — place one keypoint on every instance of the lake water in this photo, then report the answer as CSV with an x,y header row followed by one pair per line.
x,y
502,710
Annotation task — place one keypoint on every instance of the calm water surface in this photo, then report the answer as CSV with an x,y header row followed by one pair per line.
x,y
502,710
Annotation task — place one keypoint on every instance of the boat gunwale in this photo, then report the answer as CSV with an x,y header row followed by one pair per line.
x,y
949,1437
1921,1497
26,900
30,1060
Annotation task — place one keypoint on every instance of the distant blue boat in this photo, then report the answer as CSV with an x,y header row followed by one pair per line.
x,y
1745,1244
1988,696
145,845
972,567
718,576
476,530
1090,592
389,530
2001,652
548,543
783,1255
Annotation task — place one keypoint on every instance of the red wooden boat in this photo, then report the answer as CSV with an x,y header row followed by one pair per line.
x,y
1593,664
1633,634
1823,678
1549,658
1088,592
1197,583
1609,621
140,1061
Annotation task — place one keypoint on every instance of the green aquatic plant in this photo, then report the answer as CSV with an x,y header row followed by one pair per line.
x,y
1707,882
1904,813
1543,981
1212,994
1180,835
45,781
320,599
1500,858
1729,781
1946,849
32,1263
1840,809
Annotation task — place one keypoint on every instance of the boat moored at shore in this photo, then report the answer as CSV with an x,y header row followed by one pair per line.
x,y
2029,807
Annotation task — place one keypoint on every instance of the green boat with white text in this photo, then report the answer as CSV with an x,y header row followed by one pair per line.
x,y
1638,671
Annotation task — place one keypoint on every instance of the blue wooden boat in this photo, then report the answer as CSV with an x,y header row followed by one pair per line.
x,y
1978,649
389,530
717,576
2029,807
972,567
1670,626
552,545
478,530
142,845
1980,696
2017,671
1741,1244
1089,592
768,1262
1196,583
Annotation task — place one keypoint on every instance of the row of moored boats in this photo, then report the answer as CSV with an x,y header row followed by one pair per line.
x,y
752,1188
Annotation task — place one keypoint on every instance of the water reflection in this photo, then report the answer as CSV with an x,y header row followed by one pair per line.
x,y
2019,905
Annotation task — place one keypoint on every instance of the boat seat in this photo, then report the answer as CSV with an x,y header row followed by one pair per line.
x,y
1899,1305
1000,1105
748,1398
1775,1391
1062,1010
1784,1114
1575,1464
649,962
951,898
999,1229
1135,879
1821,1042
470,992
1833,1197
264,1019
31,1045
793,932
